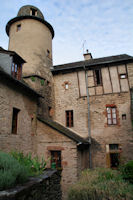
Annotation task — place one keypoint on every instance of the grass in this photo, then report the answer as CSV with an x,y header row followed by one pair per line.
x,y
101,184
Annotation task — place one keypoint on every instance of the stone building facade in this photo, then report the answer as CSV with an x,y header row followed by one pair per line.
x,y
108,82
18,108
78,114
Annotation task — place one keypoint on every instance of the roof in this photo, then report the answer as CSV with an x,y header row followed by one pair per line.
x,y
25,10
105,61
65,131
19,84
29,17
14,54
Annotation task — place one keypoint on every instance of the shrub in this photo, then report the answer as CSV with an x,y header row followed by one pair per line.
x,y
100,184
11,172
33,164
127,171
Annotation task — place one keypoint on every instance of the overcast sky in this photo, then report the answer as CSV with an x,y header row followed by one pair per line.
x,y
105,27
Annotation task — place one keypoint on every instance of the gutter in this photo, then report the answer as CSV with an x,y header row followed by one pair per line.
x,y
89,124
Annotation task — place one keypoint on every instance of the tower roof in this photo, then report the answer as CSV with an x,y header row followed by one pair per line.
x,y
29,12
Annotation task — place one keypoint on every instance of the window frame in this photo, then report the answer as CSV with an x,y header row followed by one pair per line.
x,y
16,70
66,86
121,76
15,120
33,10
69,118
18,27
98,83
56,158
111,114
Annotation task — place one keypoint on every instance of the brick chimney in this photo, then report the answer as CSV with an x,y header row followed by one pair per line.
x,y
87,55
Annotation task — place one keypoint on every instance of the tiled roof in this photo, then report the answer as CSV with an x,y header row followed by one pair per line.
x,y
65,131
105,61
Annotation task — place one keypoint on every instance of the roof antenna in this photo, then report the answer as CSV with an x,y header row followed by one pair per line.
x,y
87,51
84,45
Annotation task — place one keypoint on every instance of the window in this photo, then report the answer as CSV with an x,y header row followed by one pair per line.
x,y
113,152
33,12
16,70
114,155
123,116
15,120
18,27
66,86
123,76
48,53
111,115
50,111
47,83
56,159
69,118
98,78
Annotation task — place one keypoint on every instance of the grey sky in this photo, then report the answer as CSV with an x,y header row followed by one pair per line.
x,y
104,26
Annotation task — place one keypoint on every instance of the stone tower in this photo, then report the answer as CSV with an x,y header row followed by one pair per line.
x,y
30,35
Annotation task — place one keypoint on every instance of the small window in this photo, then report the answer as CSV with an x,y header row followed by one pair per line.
x,y
66,86
50,111
123,76
111,116
56,159
18,27
15,120
69,118
98,78
33,12
16,70
123,116
48,83
48,53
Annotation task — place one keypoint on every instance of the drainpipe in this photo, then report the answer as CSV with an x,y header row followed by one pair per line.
x,y
89,124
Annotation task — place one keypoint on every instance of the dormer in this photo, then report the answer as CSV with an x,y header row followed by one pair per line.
x,y
11,63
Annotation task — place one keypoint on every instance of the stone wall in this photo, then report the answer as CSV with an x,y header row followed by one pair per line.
x,y
70,100
45,187
11,97
117,93
104,134
49,140
31,42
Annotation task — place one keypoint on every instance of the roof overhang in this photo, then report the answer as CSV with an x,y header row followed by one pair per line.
x,y
16,19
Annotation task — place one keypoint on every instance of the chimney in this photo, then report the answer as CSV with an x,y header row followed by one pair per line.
x,y
87,55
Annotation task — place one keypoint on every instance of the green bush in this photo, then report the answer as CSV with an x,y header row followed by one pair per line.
x,y
127,171
101,184
33,164
11,172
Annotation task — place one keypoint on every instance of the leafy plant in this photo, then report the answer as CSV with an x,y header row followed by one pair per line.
x,y
11,171
33,78
33,164
42,82
127,171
